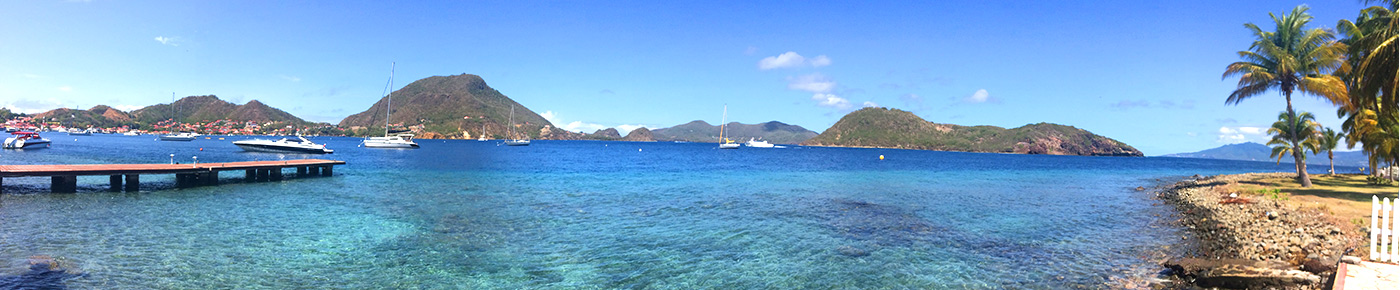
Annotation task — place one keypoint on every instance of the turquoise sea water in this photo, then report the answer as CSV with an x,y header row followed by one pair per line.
x,y
584,214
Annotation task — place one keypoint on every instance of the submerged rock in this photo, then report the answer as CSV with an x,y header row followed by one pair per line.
x,y
850,251
44,273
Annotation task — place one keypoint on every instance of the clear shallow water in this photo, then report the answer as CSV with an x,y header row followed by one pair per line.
x,y
585,214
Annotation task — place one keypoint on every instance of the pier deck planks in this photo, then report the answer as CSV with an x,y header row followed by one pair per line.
x,y
128,169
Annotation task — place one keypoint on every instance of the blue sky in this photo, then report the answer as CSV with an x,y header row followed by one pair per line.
x,y
1144,72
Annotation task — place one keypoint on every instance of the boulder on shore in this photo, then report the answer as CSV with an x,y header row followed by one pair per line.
x,y
1240,274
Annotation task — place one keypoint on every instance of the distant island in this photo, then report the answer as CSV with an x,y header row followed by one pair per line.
x,y
1250,151
701,131
894,128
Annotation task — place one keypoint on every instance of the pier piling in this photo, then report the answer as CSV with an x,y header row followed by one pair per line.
x,y
64,183
116,181
133,183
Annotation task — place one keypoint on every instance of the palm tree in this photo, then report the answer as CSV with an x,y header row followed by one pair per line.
x,y
1290,59
1292,135
1326,142
1369,72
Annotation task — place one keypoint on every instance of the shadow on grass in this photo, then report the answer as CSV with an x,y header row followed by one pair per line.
x,y
1345,187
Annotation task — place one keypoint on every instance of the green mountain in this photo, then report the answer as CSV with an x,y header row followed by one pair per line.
x,y
100,116
1250,151
893,128
195,109
699,131
449,105
639,135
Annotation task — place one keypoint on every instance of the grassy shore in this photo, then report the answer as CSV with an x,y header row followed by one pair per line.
x,y
1344,196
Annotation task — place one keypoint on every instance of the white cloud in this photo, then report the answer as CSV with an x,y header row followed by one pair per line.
x,y
980,96
1241,134
171,41
32,76
127,108
787,59
32,107
627,128
580,126
551,117
290,78
792,59
815,83
1252,130
832,101
751,50
65,89
870,104
821,61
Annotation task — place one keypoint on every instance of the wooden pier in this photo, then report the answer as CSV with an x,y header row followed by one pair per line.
x,y
127,176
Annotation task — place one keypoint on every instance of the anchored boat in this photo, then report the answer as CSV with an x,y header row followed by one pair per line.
x,y
23,139
284,145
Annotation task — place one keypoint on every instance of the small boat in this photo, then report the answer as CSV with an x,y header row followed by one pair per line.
x,y
23,139
725,143
515,142
397,141
131,133
79,132
183,136
284,145
404,141
758,144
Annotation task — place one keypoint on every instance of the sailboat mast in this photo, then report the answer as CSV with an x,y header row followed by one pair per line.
x,y
722,119
389,95
512,122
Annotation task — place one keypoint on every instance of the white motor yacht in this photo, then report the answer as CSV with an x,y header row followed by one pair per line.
x,y
284,145
758,144
183,136
79,132
22,139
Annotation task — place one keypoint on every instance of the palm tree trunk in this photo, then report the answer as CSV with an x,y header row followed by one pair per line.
x,y
1302,167
1332,166
1298,164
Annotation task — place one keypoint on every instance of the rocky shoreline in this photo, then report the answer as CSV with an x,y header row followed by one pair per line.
x,y
1249,241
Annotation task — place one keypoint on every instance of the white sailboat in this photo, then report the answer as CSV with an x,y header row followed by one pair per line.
x,y
404,141
517,141
725,143
483,132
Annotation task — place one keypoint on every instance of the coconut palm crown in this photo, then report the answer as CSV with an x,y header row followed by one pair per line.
x,y
1327,141
1290,59
1294,133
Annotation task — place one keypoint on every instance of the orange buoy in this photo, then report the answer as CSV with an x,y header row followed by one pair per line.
x,y
882,157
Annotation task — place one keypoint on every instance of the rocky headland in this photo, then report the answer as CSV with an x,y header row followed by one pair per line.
x,y
1246,240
